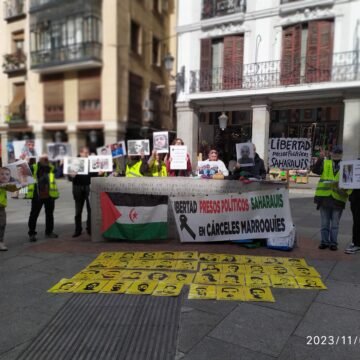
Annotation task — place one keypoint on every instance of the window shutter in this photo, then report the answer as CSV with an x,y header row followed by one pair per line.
x,y
291,55
233,62
89,85
205,65
319,51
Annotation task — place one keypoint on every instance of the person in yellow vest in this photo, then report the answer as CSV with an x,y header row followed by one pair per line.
x,y
136,166
43,192
157,166
329,198
3,202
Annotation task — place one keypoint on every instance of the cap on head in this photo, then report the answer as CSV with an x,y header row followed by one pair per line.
x,y
337,149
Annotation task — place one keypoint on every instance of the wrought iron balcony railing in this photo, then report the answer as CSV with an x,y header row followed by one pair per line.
x,y
14,62
66,55
213,8
38,3
16,119
344,66
14,9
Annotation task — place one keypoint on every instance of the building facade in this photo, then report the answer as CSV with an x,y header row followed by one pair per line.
x,y
87,72
276,68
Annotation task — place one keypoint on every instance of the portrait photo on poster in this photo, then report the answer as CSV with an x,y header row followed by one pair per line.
x,y
136,147
117,149
17,173
161,142
349,174
30,148
76,165
100,163
245,154
104,150
57,151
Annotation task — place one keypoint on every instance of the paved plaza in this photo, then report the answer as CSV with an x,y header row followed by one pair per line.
x,y
204,329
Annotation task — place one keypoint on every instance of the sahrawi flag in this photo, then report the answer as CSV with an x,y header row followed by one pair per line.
x,y
134,216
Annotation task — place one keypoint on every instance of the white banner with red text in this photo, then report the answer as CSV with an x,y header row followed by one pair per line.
x,y
246,216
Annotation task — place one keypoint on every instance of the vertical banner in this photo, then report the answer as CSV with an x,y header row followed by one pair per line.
x,y
250,215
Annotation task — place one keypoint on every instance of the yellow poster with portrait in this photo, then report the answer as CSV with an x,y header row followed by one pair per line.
x,y
232,279
109,255
233,268
88,274
188,255
65,286
181,278
111,274
230,292
147,255
120,265
255,269
168,289
189,265
250,260
257,280
295,262
202,292
141,264
228,258
254,293
142,287
165,264
156,275
271,260
132,275
207,278
285,282
168,255
116,287
305,271
310,283
100,264
279,270
209,257
213,268
90,286
126,256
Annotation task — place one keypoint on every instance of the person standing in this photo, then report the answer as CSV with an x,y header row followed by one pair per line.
x,y
157,167
168,160
136,166
81,193
43,192
355,210
330,199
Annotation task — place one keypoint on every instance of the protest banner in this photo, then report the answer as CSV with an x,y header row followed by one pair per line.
x,y
178,155
349,174
249,215
290,153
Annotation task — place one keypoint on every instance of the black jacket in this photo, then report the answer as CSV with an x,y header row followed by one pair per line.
x,y
257,170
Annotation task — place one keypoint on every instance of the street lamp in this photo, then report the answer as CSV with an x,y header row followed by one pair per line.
x,y
223,119
179,77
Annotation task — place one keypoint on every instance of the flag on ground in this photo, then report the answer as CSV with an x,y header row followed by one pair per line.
x,y
134,216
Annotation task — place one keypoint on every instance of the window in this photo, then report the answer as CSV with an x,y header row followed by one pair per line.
x,y
54,97
156,52
17,41
136,38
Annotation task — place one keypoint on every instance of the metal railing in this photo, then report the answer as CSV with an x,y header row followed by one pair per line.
x,y
344,66
66,54
14,8
14,62
213,8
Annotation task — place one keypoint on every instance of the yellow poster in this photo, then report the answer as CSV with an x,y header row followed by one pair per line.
x,y
213,268
295,262
207,278
117,264
209,257
229,292
167,255
250,260
132,275
88,274
116,287
141,287
227,258
65,286
100,264
141,264
257,280
90,286
165,264
233,268
310,283
258,294
110,274
168,289
181,277
232,279
255,269
150,255
279,270
269,260
280,281
190,265
156,275
188,255
126,255
108,256
305,271
198,291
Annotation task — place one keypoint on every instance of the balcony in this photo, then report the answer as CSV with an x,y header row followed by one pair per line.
x,y
35,4
287,6
17,119
215,8
270,74
15,62
71,57
14,9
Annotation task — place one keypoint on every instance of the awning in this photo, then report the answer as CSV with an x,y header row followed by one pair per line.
x,y
18,100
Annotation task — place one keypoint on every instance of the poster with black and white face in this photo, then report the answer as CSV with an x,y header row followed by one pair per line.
x,y
245,154
161,142
349,174
100,163
76,165
137,147
25,149
57,151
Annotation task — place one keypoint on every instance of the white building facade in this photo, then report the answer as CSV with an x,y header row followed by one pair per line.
x,y
277,68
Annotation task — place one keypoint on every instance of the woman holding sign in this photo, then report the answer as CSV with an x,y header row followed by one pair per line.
x,y
186,171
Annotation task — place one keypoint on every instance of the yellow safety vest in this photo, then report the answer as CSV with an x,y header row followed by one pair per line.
x,y
133,170
154,170
325,187
3,197
53,190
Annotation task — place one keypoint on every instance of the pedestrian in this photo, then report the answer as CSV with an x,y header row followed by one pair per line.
x,y
330,199
355,210
157,167
3,203
81,193
43,192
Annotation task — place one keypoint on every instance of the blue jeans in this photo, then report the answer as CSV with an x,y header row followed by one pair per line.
x,y
330,219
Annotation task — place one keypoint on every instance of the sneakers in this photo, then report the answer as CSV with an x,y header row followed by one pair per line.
x,y
3,246
51,236
352,249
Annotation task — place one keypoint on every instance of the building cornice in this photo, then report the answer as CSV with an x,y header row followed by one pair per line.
x,y
304,4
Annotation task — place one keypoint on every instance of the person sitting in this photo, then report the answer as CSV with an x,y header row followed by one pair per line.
x,y
213,165
157,165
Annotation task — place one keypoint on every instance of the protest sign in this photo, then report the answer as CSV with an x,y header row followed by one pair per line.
x,y
161,142
290,153
208,168
137,147
30,148
249,215
57,151
178,154
350,174
100,163
17,173
245,154
76,165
